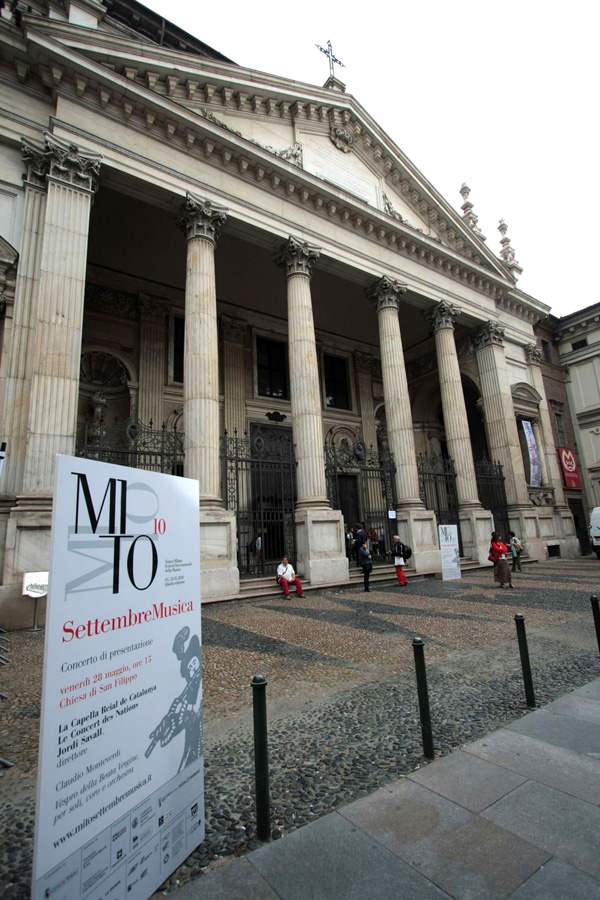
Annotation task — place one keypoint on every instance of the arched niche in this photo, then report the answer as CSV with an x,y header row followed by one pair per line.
x,y
106,378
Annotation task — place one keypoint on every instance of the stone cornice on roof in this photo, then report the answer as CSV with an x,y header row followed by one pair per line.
x,y
173,96
578,322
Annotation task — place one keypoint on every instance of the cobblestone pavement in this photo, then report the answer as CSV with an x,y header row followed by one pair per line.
x,y
343,715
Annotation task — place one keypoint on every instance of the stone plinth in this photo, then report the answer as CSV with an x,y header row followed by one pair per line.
x,y
219,574
418,529
320,546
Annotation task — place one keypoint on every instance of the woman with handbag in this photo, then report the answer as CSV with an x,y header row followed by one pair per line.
x,y
498,555
364,555
399,561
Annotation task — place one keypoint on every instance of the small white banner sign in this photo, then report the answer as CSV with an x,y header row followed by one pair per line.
x,y
35,584
448,535
120,779
535,469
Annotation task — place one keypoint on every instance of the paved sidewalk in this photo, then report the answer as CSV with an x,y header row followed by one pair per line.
x,y
515,815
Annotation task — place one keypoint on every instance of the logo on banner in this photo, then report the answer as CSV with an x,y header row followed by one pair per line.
x,y
569,467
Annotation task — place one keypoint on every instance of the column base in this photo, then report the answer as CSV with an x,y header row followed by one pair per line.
x,y
219,573
418,528
321,546
28,533
546,532
476,526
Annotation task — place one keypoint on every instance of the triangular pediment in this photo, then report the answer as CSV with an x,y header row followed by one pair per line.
x,y
327,136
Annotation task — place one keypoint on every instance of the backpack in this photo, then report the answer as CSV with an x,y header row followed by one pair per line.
x,y
407,551
518,545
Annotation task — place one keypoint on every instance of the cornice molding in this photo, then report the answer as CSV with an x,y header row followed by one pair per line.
x,y
581,326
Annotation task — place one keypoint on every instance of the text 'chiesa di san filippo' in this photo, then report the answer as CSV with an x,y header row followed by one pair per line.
x,y
213,272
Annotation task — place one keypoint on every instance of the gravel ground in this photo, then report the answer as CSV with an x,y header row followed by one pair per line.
x,y
343,715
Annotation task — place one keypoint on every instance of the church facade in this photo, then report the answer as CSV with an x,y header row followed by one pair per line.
x,y
215,272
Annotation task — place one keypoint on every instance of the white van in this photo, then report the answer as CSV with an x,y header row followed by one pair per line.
x,y
595,530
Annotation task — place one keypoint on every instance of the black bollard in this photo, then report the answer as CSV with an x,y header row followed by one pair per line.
x,y
261,758
527,679
596,614
419,652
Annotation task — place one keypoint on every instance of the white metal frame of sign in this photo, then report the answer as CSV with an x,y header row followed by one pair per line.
x,y
120,781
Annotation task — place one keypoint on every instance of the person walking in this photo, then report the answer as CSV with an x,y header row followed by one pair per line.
x,y
360,536
516,548
498,555
287,576
399,561
366,563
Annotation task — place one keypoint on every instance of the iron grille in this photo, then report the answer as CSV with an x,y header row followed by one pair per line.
x,y
132,444
437,487
492,492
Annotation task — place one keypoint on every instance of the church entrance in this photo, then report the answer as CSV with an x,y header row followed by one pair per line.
x,y
259,486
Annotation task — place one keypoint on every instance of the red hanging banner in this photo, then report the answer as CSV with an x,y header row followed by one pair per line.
x,y
569,467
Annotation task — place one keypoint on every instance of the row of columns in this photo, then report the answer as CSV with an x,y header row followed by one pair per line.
x,y
43,371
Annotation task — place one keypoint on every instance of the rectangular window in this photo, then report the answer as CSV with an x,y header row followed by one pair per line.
x,y
337,391
560,429
546,351
178,341
579,345
271,369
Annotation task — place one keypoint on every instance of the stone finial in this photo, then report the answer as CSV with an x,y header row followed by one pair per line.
x,y
533,354
468,214
507,253
385,293
296,257
488,334
442,315
202,218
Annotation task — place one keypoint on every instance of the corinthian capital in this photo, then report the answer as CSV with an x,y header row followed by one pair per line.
x,y
533,354
386,293
68,163
37,163
151,311
202,218
488,334
296,257
233,330
442,315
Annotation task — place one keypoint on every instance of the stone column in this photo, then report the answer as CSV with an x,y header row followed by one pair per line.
x,y
416,525
152,361
233,332
475,523
45,364
319,529
364,370
202,221
502,434
71,182
551,472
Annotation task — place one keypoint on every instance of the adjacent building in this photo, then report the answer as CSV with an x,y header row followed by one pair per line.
x,y
211,271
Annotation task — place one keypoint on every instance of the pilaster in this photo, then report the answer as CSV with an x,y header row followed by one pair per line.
x,y
152,360
364,371
319,529
233,332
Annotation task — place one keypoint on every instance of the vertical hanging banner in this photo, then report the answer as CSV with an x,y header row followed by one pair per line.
x,y
569,467
535,470
120,797
2,454
449,548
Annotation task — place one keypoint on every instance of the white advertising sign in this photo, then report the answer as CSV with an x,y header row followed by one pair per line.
x,y
2,454
35,584
120,780
450,551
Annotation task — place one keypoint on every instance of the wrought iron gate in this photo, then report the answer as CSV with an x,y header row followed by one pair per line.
x,y
492,492
259,474
132,444
437,486
374,495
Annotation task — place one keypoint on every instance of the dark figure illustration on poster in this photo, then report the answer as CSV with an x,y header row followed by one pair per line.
x,y
184,712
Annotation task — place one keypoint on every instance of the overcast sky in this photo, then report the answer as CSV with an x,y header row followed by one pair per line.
x,y
503,96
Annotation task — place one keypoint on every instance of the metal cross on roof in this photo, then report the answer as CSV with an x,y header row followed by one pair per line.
x,y
332,59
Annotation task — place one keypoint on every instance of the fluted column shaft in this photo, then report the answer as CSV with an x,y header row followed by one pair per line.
x,y
296,258
202,222
152,361
502,434
456,424
386,294
57,347
20,351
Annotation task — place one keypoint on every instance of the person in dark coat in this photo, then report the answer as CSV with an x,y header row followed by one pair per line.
x,y
366,563
360,536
